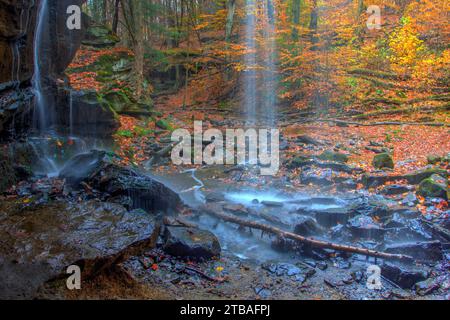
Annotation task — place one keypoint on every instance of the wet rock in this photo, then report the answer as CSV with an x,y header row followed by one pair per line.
x,y
423,251
191,243
56,234
333,156
426,287
272,203
365,227
144,191
319,177
332,217
82,166
383,160
395,189
412,178
298,273
402,276
374,208
410,200
308,226
215,197
434,186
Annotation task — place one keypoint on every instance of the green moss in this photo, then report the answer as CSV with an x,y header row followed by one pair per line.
x,y
383,160
434,186
333,156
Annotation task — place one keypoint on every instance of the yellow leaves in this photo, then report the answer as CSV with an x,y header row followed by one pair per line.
x,y
219,269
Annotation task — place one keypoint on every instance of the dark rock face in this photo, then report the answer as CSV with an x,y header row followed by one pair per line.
x,y
405,278
17,20
191,243
424,251
332,217
365,227
82,166
17,25
17,32
16,160
140,190
90,115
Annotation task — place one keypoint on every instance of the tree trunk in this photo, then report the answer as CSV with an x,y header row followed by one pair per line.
x,y
138,47
115,23
295,19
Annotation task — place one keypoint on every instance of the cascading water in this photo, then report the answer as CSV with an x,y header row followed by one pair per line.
x,y
41,105
260,81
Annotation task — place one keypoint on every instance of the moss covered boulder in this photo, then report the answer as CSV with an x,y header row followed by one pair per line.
x,y
434,187
100,36
163,124
333,156
382,161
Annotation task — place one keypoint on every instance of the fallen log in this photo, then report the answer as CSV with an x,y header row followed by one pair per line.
x,y
385,123
217,212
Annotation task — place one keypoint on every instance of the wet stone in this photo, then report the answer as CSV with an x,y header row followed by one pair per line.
x,y
300,274
191,243
395,189
403,276
332,217
423,251
426,287
308,226
365,227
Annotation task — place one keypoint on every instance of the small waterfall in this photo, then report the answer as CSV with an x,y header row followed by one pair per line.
x,y
250,63
260,80
41,103
71,113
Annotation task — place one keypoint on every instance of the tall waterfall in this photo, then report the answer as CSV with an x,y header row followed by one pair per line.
x,y
42,116
260,80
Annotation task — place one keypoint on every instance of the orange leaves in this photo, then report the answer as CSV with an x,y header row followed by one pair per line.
x,y
85,81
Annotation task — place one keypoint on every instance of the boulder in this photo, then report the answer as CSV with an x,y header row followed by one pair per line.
x,y
434,187
56,235
426,287
423,251
307,226
382,161
402,276
366,227
333,156
434,159
100,36
138,189
82,166
188,242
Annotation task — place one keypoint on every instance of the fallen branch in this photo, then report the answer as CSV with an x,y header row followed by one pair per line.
x,y
386,123
218,213
204,275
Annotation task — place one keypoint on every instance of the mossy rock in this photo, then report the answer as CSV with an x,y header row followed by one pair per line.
x,y
433,159
383,160
163,124
434,187
117,100
100,36
333,156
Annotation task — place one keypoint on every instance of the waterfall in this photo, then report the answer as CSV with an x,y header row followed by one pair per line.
x,y
260,80
41,103
250,63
